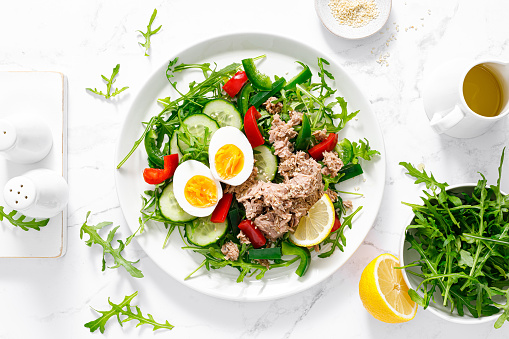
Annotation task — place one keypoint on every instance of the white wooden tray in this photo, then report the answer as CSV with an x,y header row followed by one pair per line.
x,y
44,94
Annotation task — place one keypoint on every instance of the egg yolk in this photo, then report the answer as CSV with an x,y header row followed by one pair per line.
x,y
201,191
229,161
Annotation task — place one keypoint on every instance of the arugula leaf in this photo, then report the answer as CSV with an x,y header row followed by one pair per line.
x,y
423,177
362,150
466,259
214,259
344,117
462,243
149,32
116,253
124,309
328,180
416,298
21,221
337,238
109,84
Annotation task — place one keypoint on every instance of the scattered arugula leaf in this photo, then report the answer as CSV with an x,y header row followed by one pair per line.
x,y
362,150
423,177
21,221
109,84
149,33
116,253
463,246
124,309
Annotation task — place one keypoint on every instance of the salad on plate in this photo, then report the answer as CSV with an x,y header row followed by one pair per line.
x,y
248,168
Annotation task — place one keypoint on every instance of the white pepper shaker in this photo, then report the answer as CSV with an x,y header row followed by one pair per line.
x,y
25,139
41,193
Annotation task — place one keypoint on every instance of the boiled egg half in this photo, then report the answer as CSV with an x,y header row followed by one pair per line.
x,y
230,156
195,189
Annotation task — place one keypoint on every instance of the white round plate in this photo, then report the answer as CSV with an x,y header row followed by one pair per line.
x,y
331,23
281,56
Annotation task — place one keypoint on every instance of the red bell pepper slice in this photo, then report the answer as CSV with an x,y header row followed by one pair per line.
x,y
251,129
233,86
337,224
252,233
222,208
154,176
327,145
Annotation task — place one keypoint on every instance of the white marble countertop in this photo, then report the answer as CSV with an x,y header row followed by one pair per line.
x,y
50,298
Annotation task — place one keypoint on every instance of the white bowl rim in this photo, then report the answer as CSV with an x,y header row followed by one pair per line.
x,y
466,320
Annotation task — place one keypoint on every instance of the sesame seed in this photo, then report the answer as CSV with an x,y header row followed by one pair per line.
x,y
355,13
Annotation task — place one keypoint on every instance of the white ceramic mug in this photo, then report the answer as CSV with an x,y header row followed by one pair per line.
x,y
445,104
41,193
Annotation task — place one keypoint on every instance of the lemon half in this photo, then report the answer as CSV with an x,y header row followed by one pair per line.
x,y
384,293
316,225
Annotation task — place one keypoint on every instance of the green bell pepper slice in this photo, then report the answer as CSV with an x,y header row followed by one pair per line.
x,y
300,78
261,97
350,171
154,153
288,248
259,80
304,137
265,253
243,100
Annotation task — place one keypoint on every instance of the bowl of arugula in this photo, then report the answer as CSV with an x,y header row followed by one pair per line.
x,y
455,250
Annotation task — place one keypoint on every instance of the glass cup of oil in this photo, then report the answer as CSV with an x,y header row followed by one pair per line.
x,y
464,99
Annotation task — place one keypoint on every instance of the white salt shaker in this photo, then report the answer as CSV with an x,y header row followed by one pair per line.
x,y
41,193
24,139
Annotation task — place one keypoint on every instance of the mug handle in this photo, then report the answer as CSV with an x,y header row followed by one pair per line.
x,y
443,121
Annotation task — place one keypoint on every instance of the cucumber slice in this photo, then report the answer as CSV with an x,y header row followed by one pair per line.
x,y
223,112
170,208
174,146
196,124
266,162
203,232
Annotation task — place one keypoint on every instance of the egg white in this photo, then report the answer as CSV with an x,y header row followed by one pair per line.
x,y
183,173
231,135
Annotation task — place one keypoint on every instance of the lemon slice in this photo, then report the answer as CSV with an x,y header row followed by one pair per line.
x,y
384,293
314,227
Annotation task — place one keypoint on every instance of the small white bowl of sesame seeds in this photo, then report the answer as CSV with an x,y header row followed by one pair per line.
x,y
353,19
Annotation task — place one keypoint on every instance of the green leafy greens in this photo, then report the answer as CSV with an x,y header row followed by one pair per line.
x,y
188,103
124,309
363,150
109,85
21,222
116,253
149,33
463,246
